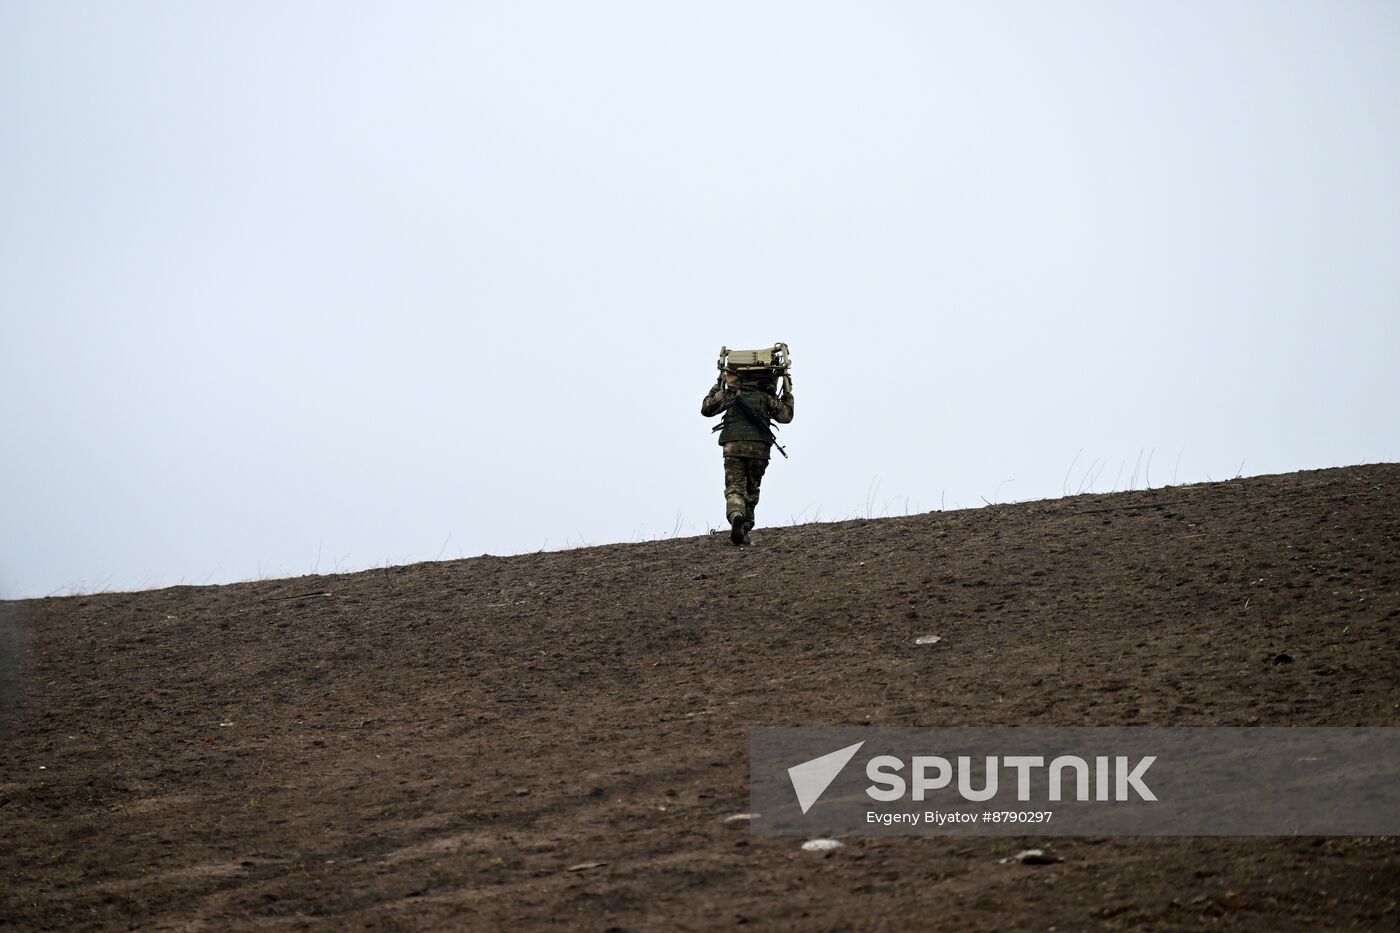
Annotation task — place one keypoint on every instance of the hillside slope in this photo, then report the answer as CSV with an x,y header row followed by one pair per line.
x,y
438,744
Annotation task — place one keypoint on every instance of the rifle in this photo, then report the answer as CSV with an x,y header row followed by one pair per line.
x,y
762,423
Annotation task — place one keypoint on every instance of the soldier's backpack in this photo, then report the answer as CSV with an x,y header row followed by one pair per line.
x,y
773,361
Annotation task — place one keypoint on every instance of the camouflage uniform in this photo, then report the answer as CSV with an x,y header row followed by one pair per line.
x,y
745,446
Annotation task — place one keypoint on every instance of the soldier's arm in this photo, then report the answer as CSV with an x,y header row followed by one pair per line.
x,y
782,407
717,401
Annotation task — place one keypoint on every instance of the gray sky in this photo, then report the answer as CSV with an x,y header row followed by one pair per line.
x,y
358,279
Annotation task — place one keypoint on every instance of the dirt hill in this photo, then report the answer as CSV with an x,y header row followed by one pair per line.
x,y
444,744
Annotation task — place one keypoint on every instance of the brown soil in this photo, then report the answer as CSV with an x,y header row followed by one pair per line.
x,y
437,745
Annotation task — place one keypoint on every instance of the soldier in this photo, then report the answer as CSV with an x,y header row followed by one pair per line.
x,y
746,443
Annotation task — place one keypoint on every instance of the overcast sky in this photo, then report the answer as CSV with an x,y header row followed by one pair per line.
x,y
288,286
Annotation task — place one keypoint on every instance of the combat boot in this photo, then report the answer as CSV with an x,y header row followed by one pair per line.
x,y
736,529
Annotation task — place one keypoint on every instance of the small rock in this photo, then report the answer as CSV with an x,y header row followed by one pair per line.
x,y
699,576
741,817
1031,857
928,639
585,866
521,792
821,845
1283,659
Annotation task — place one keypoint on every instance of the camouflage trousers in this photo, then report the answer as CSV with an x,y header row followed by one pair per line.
x,y
742,477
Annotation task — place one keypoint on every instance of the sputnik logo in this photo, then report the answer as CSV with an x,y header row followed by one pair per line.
x,y
811,778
